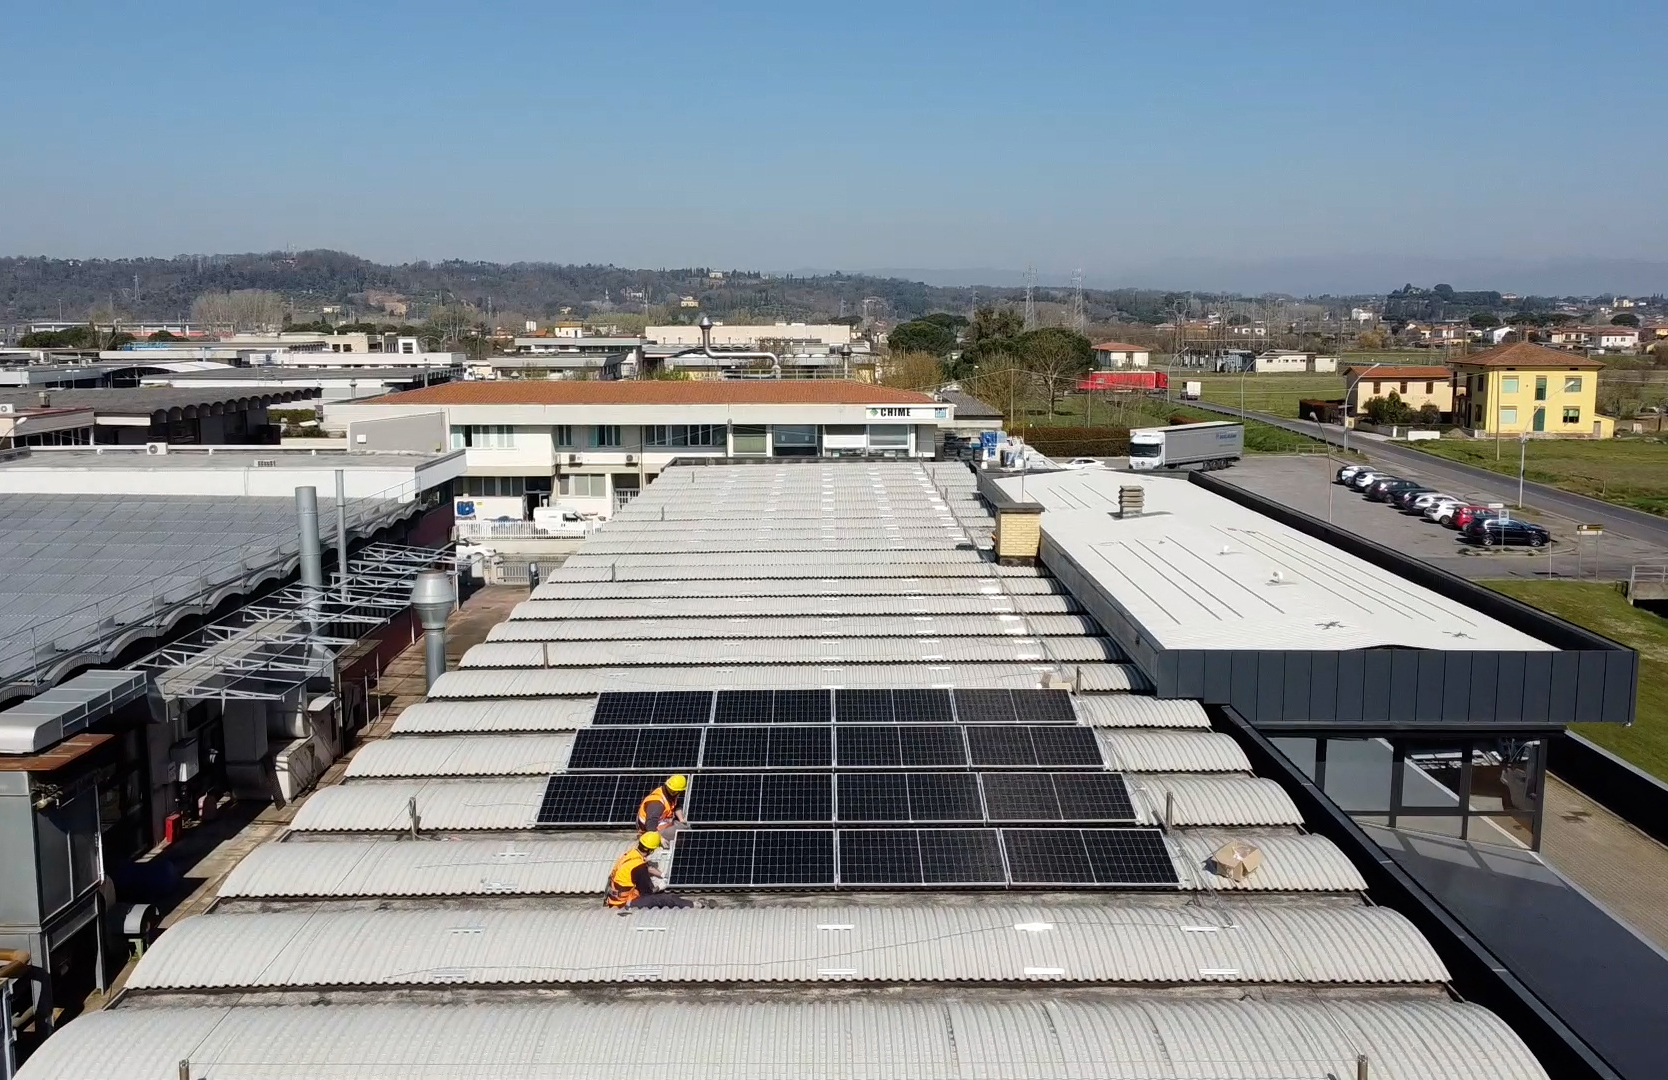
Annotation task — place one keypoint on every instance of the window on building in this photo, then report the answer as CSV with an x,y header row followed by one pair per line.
x,y
1476,414
562,434
605,435
1403,390
1540,387
1430,388
1508,384
1572,384
1572,414
483,437
888,436
676,435
798,440
583,486
489,487
1375,388
748,439
1508,415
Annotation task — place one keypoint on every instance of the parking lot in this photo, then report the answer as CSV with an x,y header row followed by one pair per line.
x,y
1306,483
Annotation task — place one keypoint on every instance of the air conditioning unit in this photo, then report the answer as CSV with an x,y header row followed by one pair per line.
x,y
7,408
573,459
156,449
631,459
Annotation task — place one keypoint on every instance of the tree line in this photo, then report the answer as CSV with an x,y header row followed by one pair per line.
x,y
991,356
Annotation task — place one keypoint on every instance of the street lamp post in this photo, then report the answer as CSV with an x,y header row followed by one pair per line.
x,y
1522,463
1349,390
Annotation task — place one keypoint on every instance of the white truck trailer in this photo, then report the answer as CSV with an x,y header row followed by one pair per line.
x,y
1214,444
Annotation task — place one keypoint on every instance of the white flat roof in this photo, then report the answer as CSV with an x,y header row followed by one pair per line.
x,y
1198,571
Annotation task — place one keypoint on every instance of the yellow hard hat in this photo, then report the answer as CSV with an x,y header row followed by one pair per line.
x,y
677,783
649,840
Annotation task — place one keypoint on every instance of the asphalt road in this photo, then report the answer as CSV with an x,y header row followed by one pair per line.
x,y
1548,501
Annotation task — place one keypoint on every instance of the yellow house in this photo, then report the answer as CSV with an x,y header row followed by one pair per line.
x,y
1529,388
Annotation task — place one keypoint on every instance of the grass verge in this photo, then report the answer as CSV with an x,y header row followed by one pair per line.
x,y
1627,471
1603,609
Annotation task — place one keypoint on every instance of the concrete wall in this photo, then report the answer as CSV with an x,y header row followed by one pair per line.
x,y
422,432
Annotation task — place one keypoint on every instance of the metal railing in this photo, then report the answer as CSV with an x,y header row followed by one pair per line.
x,y
1646,574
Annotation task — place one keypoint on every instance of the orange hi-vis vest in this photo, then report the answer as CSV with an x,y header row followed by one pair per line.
x,y
621,889
658,795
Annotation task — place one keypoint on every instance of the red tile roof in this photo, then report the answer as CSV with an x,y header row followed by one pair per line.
x,y
1526,355
656,392
1120,346
1371,373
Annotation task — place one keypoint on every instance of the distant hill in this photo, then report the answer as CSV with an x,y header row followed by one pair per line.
x,y
39,288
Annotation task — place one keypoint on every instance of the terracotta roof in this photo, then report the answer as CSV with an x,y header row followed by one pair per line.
x,y
1526,355
1371,373
656,392
1120,346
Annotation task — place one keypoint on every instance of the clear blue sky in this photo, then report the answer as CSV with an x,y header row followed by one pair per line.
x,y
1129,139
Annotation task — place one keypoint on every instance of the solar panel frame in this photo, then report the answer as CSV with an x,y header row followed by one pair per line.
x,y
864,707
1094,796
793,857
985,707
796,797
932,745
868,746
1062,746
743,707
630,792
872,797
1020,797
578,799
1130,857
802,707
948,796
736,747
995,745
1047,857
880,857
603,748
634,707
714,858
1043,706
798,746
682,707
922,706
668,748
962,857
724,798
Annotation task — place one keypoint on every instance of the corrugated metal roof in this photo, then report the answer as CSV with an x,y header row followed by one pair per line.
x,y
805,625
462,755
1171,751
560,682
954,650
1036,1038
1139,711
752,570
393,868
329,946
777,607
1216,800
678,559
372,806
603,589
1292,862
467,717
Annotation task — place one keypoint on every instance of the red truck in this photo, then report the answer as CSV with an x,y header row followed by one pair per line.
x,y
1126,382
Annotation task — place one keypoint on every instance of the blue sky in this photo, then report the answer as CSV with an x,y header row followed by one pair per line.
x,y
1138,141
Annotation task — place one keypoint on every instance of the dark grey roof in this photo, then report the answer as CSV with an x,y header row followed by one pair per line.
x,y
969,407
146,400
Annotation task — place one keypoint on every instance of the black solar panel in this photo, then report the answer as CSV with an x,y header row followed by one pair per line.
x,y
793,857
1066,746
985,707
802,707
1047,857
1043,707
1129,857
932,746
736,748
945,797
742,707
801,747
995,745
668,748
574,800
880,857
921,706
603,748
791,797
874,746
1020,797
629,795
682,707
724,798
1092,796
863,707
718,857
632,708
961,857
873,797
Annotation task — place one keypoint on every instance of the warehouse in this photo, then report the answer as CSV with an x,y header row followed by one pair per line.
x,y
1008,826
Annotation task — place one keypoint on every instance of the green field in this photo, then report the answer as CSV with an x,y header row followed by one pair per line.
x,y
1627,471
1603,609
1135,410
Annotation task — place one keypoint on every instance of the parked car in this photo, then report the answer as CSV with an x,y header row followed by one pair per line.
x,y
1403,498
1084,463
1421,502
1366,476
1381,490
1441,510
1489,531
1347,473
1465,515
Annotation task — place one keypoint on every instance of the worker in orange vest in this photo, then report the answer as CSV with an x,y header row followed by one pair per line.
x,y
661,810
632,884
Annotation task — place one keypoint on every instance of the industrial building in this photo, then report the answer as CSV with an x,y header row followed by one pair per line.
x,y
969,797
134,416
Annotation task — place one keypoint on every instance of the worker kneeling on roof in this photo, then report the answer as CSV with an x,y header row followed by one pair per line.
x,y
660,812
632,884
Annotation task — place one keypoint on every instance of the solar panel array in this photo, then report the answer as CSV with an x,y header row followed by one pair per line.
x,y
835,706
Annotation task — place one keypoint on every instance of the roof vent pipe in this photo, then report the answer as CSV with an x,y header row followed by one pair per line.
x,y
433,598
341,534
46,399
307,523
1361,1067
